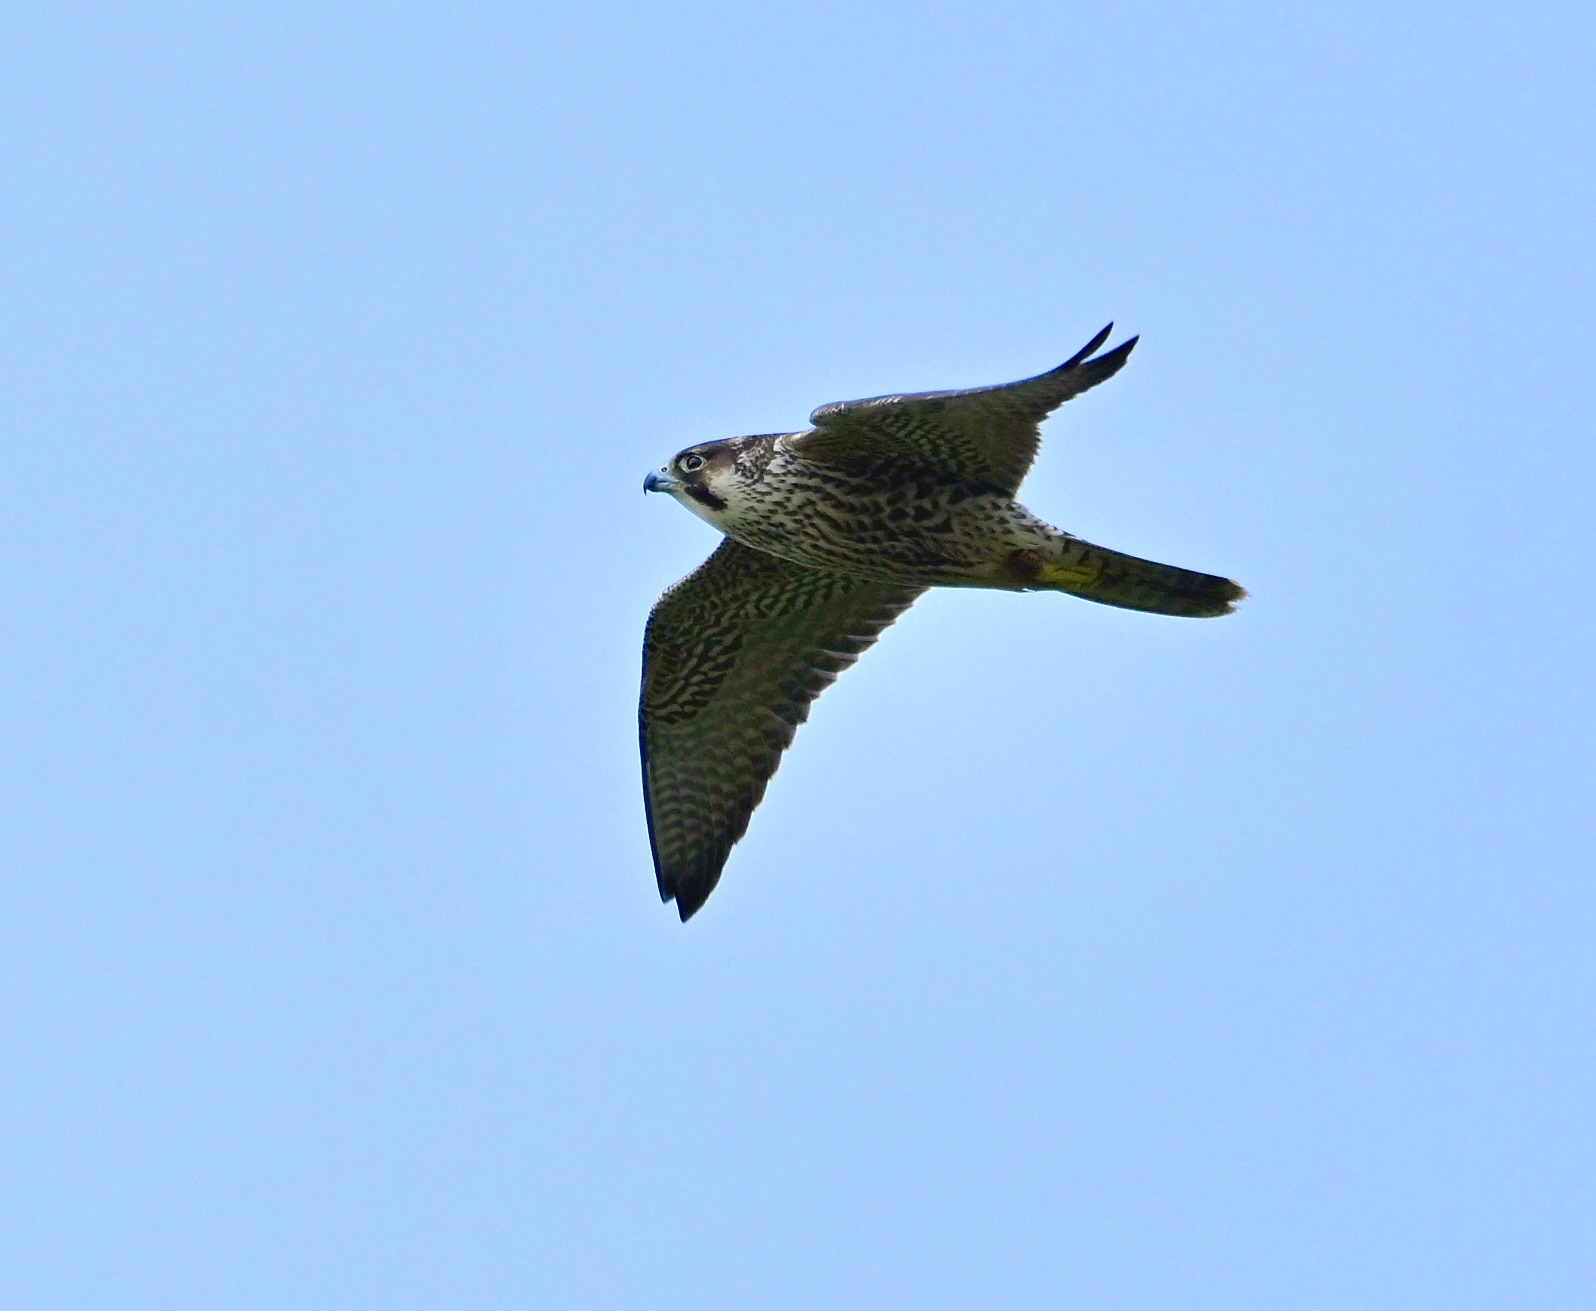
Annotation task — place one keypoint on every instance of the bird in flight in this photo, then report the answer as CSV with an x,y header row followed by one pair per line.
x,y
830,535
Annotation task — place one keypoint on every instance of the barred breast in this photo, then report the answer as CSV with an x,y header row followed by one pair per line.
x,y
887,524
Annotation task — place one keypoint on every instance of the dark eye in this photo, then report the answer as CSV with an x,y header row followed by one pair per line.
x,y
691,463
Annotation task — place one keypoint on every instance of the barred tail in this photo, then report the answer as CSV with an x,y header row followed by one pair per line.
x,y
1111,578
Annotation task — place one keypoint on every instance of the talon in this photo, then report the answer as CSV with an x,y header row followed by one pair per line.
x,y
1026,563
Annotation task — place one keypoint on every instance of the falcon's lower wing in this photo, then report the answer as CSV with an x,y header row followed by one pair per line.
x,y
732,657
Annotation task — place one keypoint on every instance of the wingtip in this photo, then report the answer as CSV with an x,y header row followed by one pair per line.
x,y
1117,357
688,889
686,907
1085,351
690,902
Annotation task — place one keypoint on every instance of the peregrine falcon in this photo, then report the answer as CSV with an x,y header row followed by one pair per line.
x,y
830,535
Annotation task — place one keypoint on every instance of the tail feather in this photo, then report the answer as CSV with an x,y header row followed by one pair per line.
x,y
1111,578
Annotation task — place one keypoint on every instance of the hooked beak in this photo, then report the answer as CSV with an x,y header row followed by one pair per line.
x,y
659,481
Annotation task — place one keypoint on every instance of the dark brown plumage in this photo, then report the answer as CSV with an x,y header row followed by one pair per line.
x,y
831,534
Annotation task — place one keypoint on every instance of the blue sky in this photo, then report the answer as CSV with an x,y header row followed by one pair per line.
x,y
1076,957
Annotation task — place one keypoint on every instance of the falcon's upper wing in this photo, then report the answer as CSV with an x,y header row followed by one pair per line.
x,y
732,657
987,434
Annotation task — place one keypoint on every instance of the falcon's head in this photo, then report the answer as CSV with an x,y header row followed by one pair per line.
x,y
709,478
